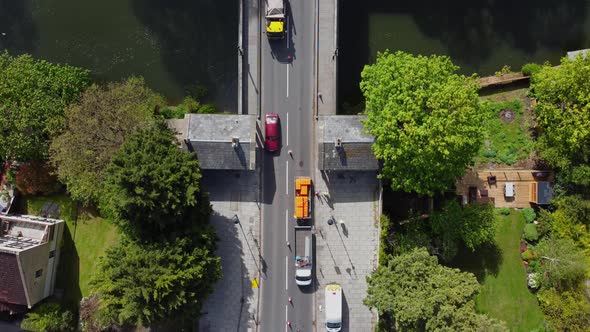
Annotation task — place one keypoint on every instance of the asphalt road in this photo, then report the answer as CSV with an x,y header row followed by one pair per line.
x,y
287,88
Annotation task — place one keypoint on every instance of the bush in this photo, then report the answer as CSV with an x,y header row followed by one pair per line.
x,y
190,104
504,211
529,214
530,69
36,178
49,317
528,255
530,233
173,112
207,109
534,280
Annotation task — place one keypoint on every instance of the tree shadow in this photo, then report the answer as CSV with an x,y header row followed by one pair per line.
x,y
227,307
194,44
484,261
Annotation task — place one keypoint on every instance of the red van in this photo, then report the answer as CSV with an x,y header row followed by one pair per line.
x,y
272,140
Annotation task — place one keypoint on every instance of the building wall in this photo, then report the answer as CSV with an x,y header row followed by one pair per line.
x,y
53,261
33,260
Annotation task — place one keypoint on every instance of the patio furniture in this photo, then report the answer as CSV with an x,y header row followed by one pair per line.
x,y
509,190
491,180
472,194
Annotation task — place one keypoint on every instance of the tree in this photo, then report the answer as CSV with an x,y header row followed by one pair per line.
x,y
563,107
96,127
567,311
152,188
139,284
563,264
571,220
424,118
33,97
473,225
421,295
49,317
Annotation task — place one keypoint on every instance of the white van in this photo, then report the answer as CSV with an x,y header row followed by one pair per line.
x,y
333,308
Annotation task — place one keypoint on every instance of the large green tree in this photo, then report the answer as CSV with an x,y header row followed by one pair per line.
x,y
139,284
570,220
96,127
33,97
472,225
424,118
563,110
422,295
152,188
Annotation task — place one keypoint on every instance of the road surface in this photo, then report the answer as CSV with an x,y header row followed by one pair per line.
x,y
287,88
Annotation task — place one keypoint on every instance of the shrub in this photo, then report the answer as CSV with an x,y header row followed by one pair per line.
x,y
528,255
529,214
505,70
530,69
173,112
49,317
507,157
207,109
36,178
489,153
534,280
530,233
190,104
504,211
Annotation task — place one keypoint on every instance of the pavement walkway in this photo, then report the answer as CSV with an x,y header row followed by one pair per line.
x,y
233,306
327,56
347,251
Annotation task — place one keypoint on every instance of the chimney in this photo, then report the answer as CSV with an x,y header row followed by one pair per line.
x,y
235,141
338,143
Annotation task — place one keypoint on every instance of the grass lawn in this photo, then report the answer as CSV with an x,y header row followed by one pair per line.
x,y
506,142
504,294
85,239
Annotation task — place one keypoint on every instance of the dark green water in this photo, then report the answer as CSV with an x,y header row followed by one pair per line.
x,y
175,44
479,36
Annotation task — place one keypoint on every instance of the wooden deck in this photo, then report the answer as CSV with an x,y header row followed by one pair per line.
x,y
489,81
522,180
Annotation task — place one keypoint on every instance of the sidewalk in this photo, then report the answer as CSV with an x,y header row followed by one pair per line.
x,y
347,251
233,306
327,57
249,75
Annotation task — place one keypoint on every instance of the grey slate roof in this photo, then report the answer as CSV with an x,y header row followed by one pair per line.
x,y
544,193
210,137
355,153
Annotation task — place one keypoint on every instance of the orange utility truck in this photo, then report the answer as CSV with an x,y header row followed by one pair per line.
x,y
303,194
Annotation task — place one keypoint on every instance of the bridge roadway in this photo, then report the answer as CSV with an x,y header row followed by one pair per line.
x,y
287,88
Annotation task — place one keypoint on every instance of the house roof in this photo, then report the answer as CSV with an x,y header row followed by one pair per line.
x,y
23,232
12,292
220,141
354,152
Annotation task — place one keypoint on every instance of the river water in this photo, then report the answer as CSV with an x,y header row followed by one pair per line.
x,y
479,36
176,45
